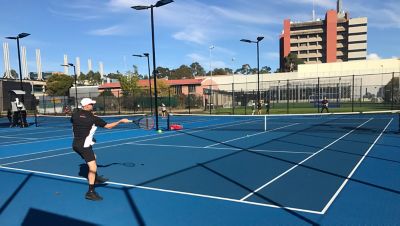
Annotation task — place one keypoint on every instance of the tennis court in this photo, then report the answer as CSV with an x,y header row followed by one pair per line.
x,y
219,170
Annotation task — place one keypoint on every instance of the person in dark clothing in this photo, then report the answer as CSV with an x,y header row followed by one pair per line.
x,y
267,106
9,116
259,108
84,124
325,104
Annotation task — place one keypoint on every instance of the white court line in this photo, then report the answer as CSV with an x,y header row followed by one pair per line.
x,y
199,129
47,131
255,134
51,156
23,138
112,141
164,190
222,148
58,149
60,137
124,139
298,164
352,172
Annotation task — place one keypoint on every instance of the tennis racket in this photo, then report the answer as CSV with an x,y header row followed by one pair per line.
x,y
146,122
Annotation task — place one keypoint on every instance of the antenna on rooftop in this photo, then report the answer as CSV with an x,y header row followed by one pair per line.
x,y
313,10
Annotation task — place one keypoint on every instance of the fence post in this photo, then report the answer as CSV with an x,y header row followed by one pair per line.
x,y
189,102
104,104
169,99
54,106
287,96
245,103
44,105
352,96
233,98
119,103
318,95
392,91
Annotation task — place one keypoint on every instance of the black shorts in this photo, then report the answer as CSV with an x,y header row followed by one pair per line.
x,y
86,153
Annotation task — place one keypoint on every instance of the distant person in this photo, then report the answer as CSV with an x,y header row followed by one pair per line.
x,y
267,106
18,114
163,110
253,108
9,116
84,124
325,104
259,108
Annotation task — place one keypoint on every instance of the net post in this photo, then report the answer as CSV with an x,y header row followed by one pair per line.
x,y
265,122
168,121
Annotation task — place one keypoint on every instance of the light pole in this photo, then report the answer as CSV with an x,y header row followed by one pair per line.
x,y
148,66
140,7
76,88
258,63
18,37
211,48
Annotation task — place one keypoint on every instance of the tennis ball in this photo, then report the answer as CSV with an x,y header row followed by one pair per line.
x,y
159,131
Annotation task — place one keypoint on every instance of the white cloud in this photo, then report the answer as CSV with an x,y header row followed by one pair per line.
x,y
245,17
73,16
108,31
195,36
373,56
205,61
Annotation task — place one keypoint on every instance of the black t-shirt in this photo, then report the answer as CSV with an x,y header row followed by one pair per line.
x,y
325,103
84,125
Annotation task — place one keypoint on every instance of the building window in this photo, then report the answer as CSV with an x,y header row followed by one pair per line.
x,y
303,44
192,88
178,89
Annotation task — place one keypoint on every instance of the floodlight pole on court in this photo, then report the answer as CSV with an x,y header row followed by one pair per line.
x,y
258,63
158,4
75,78
211,48
18,37
148,66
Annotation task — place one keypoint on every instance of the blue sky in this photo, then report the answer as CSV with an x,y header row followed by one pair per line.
x,y
110,31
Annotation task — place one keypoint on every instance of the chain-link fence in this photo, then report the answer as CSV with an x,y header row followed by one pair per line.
x,y
344,94
354,93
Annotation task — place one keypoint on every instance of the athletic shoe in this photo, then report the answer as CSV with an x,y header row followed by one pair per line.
x,y
94,196
100,180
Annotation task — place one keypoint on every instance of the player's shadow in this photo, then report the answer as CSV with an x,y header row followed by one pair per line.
x,y
84,169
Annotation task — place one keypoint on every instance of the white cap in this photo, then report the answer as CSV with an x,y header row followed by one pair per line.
x,y
87,101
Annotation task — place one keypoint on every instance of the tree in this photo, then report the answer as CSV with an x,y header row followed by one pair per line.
x,y
245,70
291,62
81,79
162,88
14,74
93,78
114,75
219,71
129,85
162,72
197,69
182,72
265,70
58,85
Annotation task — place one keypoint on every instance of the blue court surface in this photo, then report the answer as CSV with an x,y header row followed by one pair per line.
x,y
333,169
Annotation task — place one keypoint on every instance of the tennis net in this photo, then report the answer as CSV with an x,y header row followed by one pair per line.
x,y
324,121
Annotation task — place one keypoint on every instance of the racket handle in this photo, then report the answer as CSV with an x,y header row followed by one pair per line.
x,y
130,121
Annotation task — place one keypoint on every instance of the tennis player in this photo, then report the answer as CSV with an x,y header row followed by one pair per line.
x,y
325,104
84,124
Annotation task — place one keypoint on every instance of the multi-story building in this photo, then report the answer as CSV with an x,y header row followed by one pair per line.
x,y
338,38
